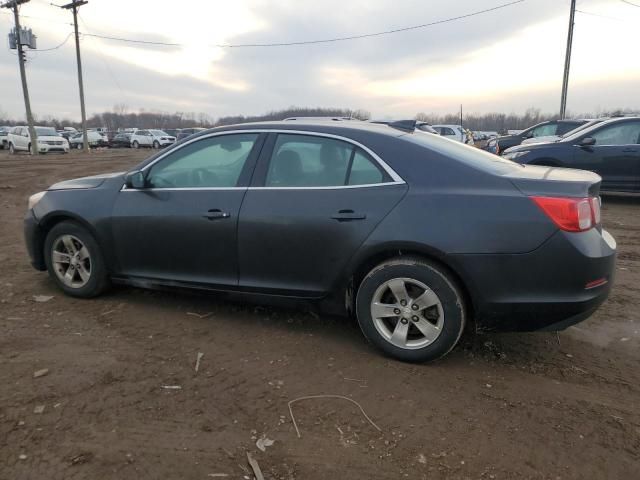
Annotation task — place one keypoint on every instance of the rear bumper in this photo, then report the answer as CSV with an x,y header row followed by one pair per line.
x,y
546,289
33,238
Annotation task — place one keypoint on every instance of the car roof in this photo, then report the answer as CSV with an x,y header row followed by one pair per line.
x,y
335,128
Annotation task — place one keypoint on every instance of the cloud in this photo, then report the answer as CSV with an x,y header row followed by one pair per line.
x,y
505,60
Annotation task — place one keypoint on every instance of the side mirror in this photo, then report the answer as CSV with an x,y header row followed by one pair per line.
x,y
135,180
587,142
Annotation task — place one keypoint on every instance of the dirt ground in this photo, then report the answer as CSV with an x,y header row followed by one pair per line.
x,y
509,406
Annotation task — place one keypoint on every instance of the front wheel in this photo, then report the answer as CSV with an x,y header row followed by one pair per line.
x,y
74,260
156,144
411,309
12,149
135,144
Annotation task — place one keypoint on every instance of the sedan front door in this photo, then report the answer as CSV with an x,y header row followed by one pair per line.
x,y
313,202
615,156
183,225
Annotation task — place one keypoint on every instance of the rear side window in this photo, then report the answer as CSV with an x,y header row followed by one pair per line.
x,y
544,130
364,171
310,161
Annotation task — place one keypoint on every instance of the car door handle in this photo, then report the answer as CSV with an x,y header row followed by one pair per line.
x,y
348,215
215,214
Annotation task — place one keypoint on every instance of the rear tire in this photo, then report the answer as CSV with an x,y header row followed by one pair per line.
x,y
74,260
411,309
135,144
12,149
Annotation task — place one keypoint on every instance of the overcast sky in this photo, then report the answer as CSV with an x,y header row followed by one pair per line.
x,y
506,60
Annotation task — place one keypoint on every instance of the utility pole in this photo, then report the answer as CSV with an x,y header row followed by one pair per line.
x,y
567,61
73,6
13,4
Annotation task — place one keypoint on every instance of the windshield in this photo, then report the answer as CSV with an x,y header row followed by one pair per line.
x,y
157,132
46,132
581,127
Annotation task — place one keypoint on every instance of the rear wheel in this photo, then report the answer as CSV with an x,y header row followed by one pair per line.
x,y
411,309
12,149
135,144
74,260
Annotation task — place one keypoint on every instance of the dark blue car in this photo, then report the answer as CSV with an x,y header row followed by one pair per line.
x,y
610,148
418,236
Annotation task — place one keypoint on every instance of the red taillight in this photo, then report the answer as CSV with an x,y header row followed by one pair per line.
x,y
571,214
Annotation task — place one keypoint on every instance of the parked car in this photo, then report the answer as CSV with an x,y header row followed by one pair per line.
x,y
49,140
453,132
4,133
95,138
187,132
357,215
66,134
172,132
544,129
610,148
151,138
121,140
556,138
417,124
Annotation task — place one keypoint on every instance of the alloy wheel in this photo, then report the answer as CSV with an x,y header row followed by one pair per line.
x,y
407,313
71,261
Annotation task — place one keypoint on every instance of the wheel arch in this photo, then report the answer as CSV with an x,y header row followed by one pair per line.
x,y
52,219
368,260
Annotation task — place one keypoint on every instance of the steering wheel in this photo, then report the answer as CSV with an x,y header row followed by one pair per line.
x,y
202,177
159,182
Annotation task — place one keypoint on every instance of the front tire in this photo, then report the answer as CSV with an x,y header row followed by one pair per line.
x,y
411,309
12,149
135,144
156,144
74,260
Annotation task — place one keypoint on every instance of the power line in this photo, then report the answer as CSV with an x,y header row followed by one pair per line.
x,y
319,41
56,47
600,15
630,3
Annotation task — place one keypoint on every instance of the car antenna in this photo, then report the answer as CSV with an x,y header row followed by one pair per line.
x,y
404,125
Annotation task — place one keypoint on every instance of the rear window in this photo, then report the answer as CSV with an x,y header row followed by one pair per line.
x,y
468,155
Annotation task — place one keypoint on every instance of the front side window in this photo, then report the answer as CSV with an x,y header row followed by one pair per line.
x,y
214,162
309,161
622,134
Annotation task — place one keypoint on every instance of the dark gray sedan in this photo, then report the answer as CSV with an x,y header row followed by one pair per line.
x,y
416,235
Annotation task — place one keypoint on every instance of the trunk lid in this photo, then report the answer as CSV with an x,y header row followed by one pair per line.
x,y
555,182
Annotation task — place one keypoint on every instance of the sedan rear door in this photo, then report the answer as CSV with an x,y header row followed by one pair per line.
x,y
315,198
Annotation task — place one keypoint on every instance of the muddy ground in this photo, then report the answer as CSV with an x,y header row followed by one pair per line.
x,y
509,406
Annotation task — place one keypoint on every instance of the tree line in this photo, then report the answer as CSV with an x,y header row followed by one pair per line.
x,y
121,117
